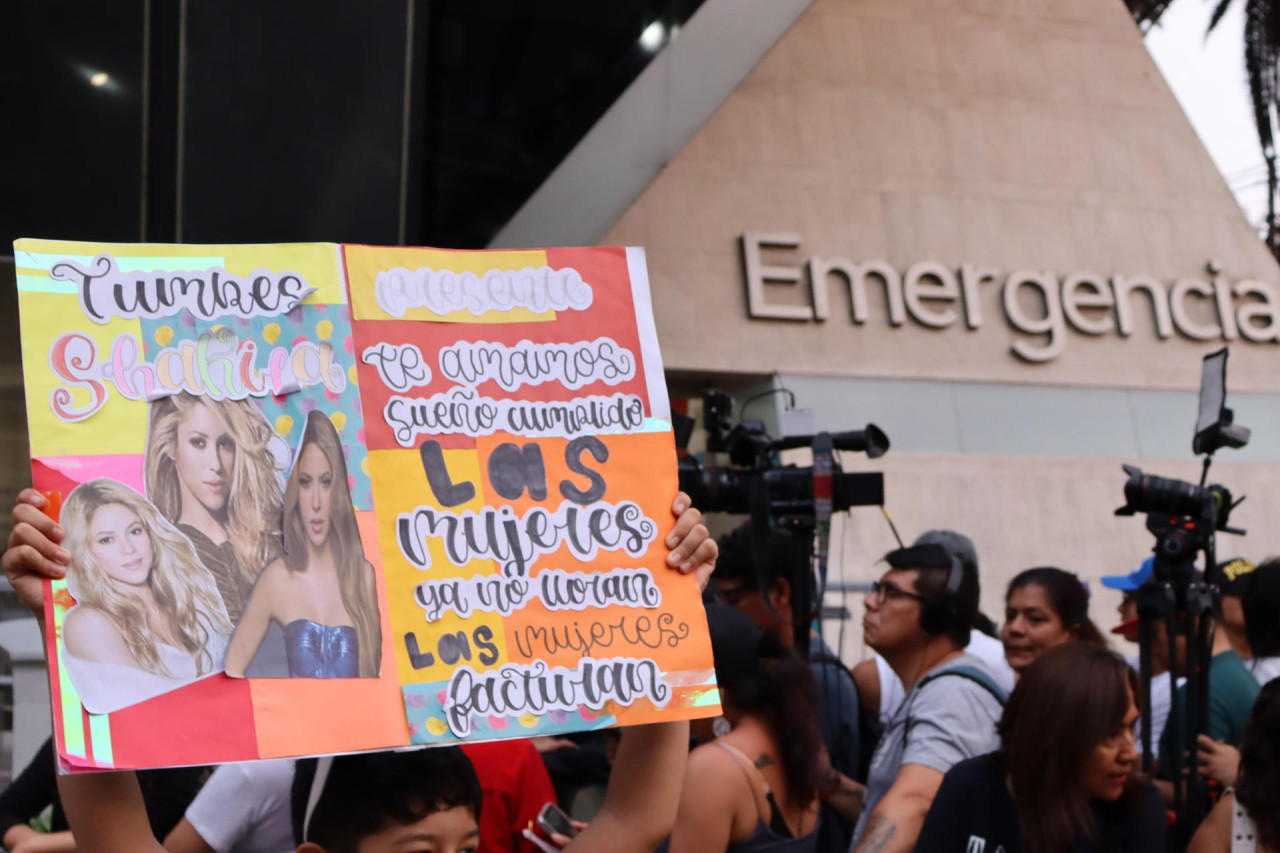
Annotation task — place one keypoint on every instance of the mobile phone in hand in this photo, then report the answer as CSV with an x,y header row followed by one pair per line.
x,y
553,820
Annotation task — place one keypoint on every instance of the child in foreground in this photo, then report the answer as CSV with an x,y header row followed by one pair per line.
x,y
425,801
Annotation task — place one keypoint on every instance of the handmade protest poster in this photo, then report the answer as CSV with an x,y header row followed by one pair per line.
x,y
325,498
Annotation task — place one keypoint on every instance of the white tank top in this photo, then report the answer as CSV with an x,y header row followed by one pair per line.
x,y
1244,835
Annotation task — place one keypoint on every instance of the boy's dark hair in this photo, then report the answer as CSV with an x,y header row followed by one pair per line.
x,y
738,549
369,792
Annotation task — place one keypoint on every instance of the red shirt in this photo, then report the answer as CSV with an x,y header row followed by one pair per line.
x,y
516,787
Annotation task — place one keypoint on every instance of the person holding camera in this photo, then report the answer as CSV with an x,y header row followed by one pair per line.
x,y
918,617
752,576
1064,779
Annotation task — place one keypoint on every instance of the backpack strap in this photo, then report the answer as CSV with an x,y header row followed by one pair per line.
x,y
969,673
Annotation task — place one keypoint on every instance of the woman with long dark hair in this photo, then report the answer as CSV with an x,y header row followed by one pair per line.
x,y
755,787
1249,814
322,590
1043,608
1065,777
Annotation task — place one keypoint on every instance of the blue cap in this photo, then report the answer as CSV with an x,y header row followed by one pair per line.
x,y
1133,580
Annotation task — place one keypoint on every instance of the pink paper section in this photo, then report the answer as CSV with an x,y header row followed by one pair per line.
x,y
127,468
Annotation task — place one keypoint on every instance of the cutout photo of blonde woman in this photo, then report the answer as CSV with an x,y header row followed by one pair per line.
x,y
148,618
321,591
211,471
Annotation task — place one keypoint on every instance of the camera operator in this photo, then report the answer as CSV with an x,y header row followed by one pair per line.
x,y
1232,691
918,617
880,690
738,585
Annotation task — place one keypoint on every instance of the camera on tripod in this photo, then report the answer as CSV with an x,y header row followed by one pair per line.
x,y
754,470
798,500
1185,518
1182,515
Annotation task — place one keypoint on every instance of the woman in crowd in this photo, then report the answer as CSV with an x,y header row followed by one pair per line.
x,y
756,786
321,591
148,617
210,470
1043,608
1065,777
1250,814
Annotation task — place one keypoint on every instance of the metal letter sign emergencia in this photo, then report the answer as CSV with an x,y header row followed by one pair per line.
x,y
383,497
1036,303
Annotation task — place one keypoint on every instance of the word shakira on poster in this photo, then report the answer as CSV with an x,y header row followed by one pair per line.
x,y
327,498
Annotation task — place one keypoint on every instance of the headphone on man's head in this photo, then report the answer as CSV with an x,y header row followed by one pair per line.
x,y
938,613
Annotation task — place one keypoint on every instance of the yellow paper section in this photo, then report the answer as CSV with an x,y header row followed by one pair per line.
x,y
120,426
364,263
317,263
401,486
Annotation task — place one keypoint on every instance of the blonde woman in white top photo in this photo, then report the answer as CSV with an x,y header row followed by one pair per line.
x,y
148,617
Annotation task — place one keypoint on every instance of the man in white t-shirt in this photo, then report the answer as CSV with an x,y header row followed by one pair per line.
x,y
243,808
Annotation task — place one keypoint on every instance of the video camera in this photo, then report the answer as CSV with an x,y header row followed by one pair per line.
x,y
1185,517
752,453
797,499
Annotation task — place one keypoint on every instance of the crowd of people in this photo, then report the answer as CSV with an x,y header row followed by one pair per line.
x,y
957,735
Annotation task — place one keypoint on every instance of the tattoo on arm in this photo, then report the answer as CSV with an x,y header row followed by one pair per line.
x,y
764,761
880,832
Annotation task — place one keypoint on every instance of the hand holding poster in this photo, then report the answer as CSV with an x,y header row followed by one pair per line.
x,y
328,498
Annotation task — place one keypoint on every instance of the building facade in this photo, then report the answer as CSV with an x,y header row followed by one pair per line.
x,y
985,226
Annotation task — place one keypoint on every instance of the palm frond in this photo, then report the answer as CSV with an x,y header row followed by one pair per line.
x,y
1147,13
1261,51
1216,17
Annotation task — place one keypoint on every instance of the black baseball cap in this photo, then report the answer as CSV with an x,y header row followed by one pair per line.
x,y
1236,576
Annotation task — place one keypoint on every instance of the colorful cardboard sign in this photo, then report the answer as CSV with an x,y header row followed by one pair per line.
x,y
324,498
